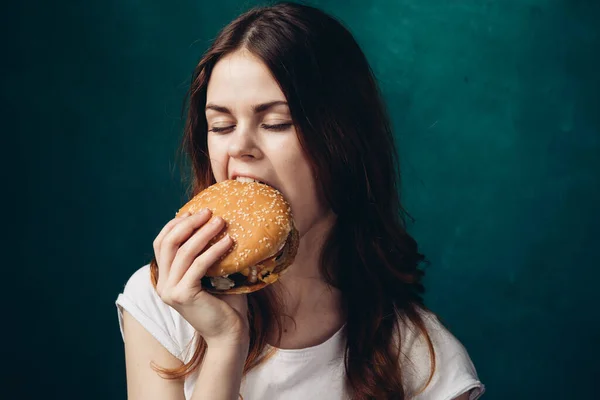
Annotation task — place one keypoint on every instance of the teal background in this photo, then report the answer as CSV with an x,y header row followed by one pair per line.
x,y
496,106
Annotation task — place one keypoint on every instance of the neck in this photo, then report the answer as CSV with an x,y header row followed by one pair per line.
x,y
302,289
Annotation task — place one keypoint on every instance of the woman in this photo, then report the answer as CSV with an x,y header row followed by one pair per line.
x,y
285,95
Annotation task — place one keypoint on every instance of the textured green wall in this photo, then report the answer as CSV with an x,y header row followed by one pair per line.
x,y
496,105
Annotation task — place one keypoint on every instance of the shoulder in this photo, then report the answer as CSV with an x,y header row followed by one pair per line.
x,y
139,298
454,372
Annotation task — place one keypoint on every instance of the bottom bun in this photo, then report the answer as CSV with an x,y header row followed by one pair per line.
x,y
292,244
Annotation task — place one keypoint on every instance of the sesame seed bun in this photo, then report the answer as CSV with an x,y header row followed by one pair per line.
x,y
265,241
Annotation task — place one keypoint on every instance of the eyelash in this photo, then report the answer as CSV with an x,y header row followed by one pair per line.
x,y
277,128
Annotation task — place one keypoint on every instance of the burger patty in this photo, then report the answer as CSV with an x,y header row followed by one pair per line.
x,y
244,278
233,280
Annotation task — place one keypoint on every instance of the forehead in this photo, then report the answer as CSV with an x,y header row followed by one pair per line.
x,y
242,78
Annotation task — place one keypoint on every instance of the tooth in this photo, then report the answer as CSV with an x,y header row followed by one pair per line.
x,y
245,179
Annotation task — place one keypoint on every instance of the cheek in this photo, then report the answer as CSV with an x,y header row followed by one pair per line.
x,y
307,207
304,213
303,194
218,160
291,158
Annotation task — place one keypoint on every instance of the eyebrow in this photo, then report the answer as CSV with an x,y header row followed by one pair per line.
x,y
258,108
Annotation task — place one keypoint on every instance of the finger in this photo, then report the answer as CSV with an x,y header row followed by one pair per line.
x,y
166,229
178,235
191,278
193,247
162,271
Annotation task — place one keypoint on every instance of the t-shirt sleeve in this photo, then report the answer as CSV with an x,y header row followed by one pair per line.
x,y
139,298
454,372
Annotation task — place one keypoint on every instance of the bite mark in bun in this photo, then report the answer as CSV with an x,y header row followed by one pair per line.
x,y
265,240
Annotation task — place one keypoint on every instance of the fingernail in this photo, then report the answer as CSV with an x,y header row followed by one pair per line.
x,y
216,221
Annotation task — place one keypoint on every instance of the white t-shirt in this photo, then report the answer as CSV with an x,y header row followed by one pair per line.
x,y
312,373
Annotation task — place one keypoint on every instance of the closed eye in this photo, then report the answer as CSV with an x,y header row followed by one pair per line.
x,y
276,127
217,130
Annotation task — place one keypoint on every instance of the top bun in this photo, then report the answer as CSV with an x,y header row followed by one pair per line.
x,y
257,217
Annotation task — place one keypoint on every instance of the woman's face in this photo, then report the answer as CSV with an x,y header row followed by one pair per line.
x,y
250,134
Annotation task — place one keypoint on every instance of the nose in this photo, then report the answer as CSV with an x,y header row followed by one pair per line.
x,y
243,144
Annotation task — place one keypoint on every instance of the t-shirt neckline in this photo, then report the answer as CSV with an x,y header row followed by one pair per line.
x,y
329,347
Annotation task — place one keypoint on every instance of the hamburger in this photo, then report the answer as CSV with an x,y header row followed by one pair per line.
x,y
265,240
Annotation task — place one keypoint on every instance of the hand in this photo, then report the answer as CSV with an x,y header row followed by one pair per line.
x,y
183,258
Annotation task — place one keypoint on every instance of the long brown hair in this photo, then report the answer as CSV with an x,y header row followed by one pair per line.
x,y
344,129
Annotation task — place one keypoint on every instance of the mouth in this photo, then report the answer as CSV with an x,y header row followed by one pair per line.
x,y
242,178
247,179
